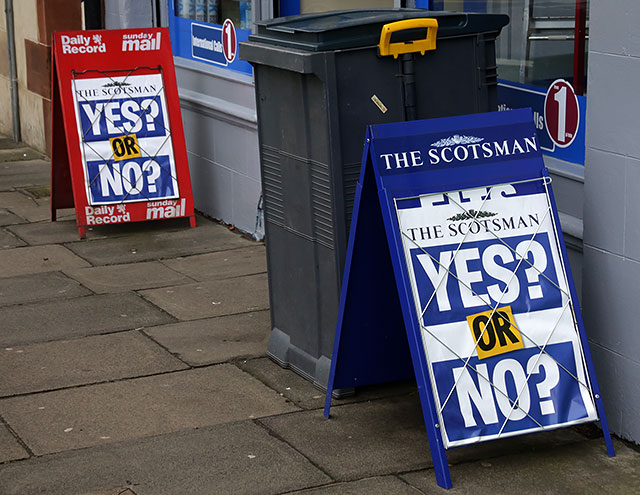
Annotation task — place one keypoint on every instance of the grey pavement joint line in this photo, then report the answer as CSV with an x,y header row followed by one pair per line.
x,y
231,248
15,435
177,320
415,488
114,380
130,441
64,245
13,234
273,434
193,280
176,355
165,312
32,303
122,235
46,341
93,294
255,377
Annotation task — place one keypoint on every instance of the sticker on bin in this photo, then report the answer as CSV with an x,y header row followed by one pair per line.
x,y
379,103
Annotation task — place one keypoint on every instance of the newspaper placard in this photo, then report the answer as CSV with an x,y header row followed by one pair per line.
x,y
118,147
126,139
494,309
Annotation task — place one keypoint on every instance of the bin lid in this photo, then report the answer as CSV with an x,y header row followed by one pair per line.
x,y
360,28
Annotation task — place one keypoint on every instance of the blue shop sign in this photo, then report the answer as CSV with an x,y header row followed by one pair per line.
x,y
513,95
209,43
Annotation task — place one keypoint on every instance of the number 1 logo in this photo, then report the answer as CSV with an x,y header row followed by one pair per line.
x,y
229,40
561,113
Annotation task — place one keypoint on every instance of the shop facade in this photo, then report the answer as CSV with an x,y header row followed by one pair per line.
x,y
558,58
574,62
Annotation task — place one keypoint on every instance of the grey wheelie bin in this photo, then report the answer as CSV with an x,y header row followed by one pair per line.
x,y
320,79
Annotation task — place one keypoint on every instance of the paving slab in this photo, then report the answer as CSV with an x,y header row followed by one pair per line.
x,y
101,358
216,340
223,264
367,486
38,287
15,201
18,153
64,214
8,240
239,458
384,437
78,317
121,490
360,440
8,218
15,174
7,143
39,191
167,226
39,211
305,395
148,242
213,298
25,206
130,276
47,232
112,412
65,229
37,259
568,469
10,448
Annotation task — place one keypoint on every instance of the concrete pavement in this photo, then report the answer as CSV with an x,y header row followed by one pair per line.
x,y
133,362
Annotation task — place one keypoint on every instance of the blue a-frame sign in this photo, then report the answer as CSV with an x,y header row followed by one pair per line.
x,y
457,272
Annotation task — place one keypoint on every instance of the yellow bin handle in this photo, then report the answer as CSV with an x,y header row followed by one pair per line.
x,y
385,47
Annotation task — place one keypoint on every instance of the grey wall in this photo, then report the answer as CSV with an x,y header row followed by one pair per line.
x,y
568,189
611,283
221,133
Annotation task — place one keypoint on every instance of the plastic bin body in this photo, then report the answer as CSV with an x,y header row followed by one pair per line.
x,y
314,101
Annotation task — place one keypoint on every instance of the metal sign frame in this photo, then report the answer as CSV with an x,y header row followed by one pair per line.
x,y
464,164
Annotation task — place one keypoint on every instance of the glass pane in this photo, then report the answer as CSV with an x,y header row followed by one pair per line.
x,y
308,6
216,11
537,45
198,10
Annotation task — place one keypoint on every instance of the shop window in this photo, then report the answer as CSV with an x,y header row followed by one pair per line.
x,y
541,57
216,11
209,31
538,45
309,6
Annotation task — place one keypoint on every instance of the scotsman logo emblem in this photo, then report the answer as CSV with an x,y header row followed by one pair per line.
x,y
455,140
471,214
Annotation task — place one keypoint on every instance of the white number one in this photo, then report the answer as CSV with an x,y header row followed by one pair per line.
x,y
227,29
561,98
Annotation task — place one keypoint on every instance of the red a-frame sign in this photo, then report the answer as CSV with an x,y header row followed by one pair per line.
x,y
118,150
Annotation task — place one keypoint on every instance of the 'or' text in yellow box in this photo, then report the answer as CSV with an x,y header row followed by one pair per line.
x,y
494,332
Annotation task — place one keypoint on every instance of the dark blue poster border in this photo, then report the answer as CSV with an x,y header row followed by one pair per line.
x,y
385,330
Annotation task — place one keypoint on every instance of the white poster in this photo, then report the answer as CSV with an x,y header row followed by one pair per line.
x,y
494,308
125,139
